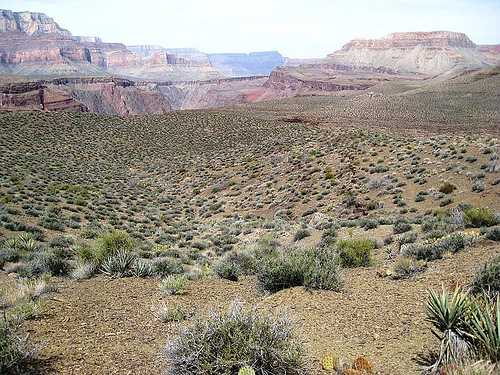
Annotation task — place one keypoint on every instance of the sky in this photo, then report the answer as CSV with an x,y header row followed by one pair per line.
x,y
295,28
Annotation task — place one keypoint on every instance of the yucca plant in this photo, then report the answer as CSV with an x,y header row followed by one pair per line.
x,y
450,316
485,324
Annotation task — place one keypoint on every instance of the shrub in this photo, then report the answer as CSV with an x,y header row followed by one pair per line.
x,y
14,352
165,266
300,234
84,271
480,217
447,188
355,252
401,225
110,243
488,278
233,264
434,249
225,342
311,268
406,268
493,234
47,262
329,237
173,284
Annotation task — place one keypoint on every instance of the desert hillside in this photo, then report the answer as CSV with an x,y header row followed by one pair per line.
x,y
224,200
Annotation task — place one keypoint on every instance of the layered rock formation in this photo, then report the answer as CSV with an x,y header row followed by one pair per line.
x,y
32,44
244,65
95,94
429,53
30,23
210,93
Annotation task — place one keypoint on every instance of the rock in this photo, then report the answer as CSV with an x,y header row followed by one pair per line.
x,y
95,94
429,53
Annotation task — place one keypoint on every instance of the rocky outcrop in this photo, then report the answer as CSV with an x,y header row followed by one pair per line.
x,y
36,96
114,96
323,78
30,23
95,94
211,93
419,52
244,65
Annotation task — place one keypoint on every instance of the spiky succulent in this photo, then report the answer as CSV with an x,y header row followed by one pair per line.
x,y
246,370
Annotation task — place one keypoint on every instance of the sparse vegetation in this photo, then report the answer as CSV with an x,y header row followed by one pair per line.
x,y
228,341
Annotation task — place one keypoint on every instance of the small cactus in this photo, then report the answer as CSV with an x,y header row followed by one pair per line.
x,y
351,371
363,365
246,370
327,362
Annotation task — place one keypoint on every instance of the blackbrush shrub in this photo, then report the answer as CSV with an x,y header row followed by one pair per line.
x,y
47,262
401,225
235,263
480,217
313,268
488,278
227,341
355,252
164,266
447,188
493,234
300,234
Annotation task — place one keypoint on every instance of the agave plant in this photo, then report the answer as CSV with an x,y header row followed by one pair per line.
x,y
485,324
118,265
450,316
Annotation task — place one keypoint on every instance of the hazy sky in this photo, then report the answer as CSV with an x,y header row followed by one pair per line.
x,y
295,28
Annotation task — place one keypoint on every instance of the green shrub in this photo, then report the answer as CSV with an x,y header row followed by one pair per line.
x,y
488,278
165,266
300,234
405,268
401,225
355,252
225,342
480,217
234,264
173,284
110,243
312,268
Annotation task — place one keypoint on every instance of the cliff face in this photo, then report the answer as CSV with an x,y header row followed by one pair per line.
x,y
211,93
36,96
32,44
98,95
30,23
418,52
242,65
